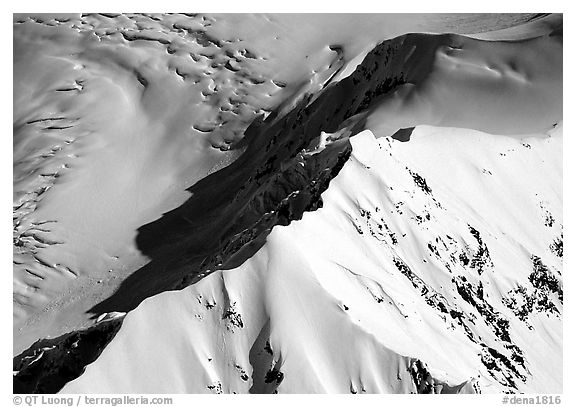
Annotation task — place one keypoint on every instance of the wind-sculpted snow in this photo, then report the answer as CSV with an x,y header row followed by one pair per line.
x,y
185,153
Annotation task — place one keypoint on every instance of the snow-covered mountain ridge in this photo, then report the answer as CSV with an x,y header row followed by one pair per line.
x,y
426,252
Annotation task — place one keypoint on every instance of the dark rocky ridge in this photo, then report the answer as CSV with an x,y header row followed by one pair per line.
x,y
49,364
274,181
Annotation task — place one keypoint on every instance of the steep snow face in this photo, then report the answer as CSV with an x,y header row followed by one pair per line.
x,y
434,265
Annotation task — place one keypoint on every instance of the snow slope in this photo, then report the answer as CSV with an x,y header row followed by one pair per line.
x,y
405,278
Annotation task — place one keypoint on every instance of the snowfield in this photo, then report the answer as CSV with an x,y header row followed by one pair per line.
x,y
276,204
